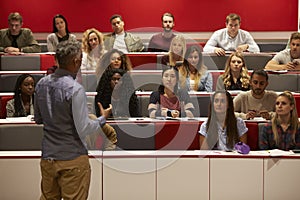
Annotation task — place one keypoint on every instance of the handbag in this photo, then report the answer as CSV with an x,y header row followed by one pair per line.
x,y
242,148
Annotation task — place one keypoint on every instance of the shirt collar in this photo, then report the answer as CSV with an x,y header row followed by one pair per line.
x,y
63,72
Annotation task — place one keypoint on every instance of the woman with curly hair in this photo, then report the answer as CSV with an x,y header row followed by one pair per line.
x,y
92,49
194,74
283,132
113,59
116,88
22,103
222,130
236,75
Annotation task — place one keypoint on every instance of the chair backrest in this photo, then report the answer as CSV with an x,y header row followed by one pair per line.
x,y
252,136
20,63
146,81
21,137
8,81
89,82
135,136
143,105
281,82
260,128
3,102
178,136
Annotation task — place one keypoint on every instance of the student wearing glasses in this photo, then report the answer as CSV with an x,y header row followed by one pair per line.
x,y
236,75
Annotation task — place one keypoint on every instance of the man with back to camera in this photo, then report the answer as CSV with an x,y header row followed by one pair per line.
x,y
161,42
231,38
60,105
120,39
17,40
256,102
285,59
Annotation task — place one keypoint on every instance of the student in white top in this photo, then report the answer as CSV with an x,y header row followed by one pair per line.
x,y
121,40
231,38
92,49
286,59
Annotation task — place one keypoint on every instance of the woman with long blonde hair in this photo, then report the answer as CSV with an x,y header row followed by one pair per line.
x,y
283,132
176,53
194,75
236,75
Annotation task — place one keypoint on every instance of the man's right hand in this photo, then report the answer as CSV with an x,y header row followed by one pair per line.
x,y
105,112
220,51
250,114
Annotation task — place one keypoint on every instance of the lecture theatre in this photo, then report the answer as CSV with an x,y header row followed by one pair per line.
x,y
155,159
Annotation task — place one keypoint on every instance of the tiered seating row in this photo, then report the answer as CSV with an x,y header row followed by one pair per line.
x,y
136,134
149,80
145,61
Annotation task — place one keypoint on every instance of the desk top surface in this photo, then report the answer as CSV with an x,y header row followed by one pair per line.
x,y
164,154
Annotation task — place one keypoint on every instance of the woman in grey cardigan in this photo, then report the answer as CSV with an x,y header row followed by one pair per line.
x,y
60,33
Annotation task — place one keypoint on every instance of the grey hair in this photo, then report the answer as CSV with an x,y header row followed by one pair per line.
x,y
66,51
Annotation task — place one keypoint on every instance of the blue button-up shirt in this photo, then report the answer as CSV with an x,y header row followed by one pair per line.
x,y
60,104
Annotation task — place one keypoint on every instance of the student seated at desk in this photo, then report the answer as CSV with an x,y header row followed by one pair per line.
x,y
175,56
257,102
169,101
222,130
193,74
116,88
113,59
22,103
236,75
121,39
60,33
92,49
286,59
283,132
231,38
17,40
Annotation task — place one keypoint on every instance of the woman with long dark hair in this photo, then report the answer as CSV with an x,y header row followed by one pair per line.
x,y
113,59
116,88
59,33
22,103
169,100
222,130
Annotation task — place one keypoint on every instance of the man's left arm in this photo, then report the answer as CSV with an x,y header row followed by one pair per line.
x,y
28,43
134,43
252,46
84,125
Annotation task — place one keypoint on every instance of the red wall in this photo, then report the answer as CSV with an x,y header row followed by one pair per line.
x,y
190,15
